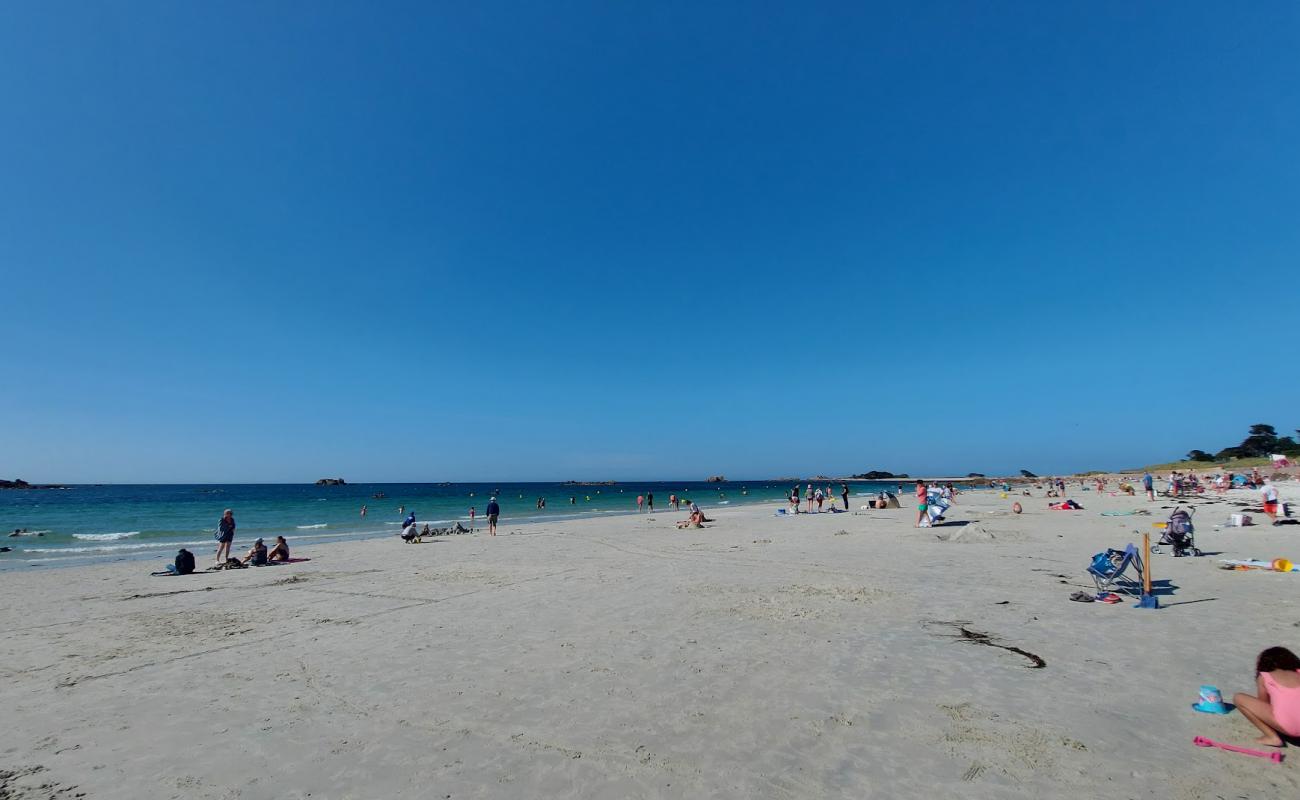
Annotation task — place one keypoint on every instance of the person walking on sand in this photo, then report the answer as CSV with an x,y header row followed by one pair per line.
x,y
1149,486
820,498
640,503
922,504
650,502
225,536
1269,492
493,511
844,495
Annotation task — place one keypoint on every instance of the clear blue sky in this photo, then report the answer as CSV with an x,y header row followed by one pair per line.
x,y
549,240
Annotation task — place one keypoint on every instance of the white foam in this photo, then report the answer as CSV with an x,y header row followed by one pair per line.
x,y
104,537
114,548
309,527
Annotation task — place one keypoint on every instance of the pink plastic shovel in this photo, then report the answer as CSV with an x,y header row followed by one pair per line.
x,y
1274,756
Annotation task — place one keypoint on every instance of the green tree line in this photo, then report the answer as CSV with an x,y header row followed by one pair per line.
x,y
1262,441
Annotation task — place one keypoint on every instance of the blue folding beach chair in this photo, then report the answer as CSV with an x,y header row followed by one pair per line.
x,y
1118,571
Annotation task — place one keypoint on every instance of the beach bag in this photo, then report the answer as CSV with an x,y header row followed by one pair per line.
x,y
1105,563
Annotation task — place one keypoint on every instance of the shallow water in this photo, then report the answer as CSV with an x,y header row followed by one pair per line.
x,y
111,522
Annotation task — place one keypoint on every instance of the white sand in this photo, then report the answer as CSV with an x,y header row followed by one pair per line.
x,y
816,656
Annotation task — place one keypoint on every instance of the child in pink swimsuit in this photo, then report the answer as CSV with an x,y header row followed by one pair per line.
x,y
1277,708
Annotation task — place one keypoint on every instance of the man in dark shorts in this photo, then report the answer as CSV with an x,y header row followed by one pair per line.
x,y
650,502
493,511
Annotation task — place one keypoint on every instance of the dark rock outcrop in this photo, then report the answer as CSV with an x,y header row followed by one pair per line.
x,y
19,483
331,482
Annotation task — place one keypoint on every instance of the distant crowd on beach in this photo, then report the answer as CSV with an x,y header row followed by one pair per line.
x,y
815,498
932,500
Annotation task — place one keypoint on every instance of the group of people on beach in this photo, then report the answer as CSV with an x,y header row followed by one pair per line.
x,y
257,556
815,495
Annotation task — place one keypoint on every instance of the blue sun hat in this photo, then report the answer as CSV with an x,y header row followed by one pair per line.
x,y
1211,701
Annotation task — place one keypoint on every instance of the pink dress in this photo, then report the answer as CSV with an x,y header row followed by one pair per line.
x,y
1285,701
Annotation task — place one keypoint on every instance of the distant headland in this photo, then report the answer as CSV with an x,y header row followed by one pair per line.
x,y
19,483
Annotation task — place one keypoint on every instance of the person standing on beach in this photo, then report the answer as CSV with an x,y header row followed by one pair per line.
x,y
922,502
808,495
819,497
225,536
493,511
472,512
650,502
640,503
844,494
1149,486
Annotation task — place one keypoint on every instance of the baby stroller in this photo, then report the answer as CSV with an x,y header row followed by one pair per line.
x,y
1179,534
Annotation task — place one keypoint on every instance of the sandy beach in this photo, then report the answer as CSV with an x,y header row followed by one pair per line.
x,y
764,656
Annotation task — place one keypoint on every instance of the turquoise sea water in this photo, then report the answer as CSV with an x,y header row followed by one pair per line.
x,y
95,523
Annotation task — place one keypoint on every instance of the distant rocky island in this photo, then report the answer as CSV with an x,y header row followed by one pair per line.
x,y
716,479
19,483
331,482
878,475
589,483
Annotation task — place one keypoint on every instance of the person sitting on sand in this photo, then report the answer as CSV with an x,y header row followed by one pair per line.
x,y
1276,710
184,564
256,554
695,510
281,550
696,519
